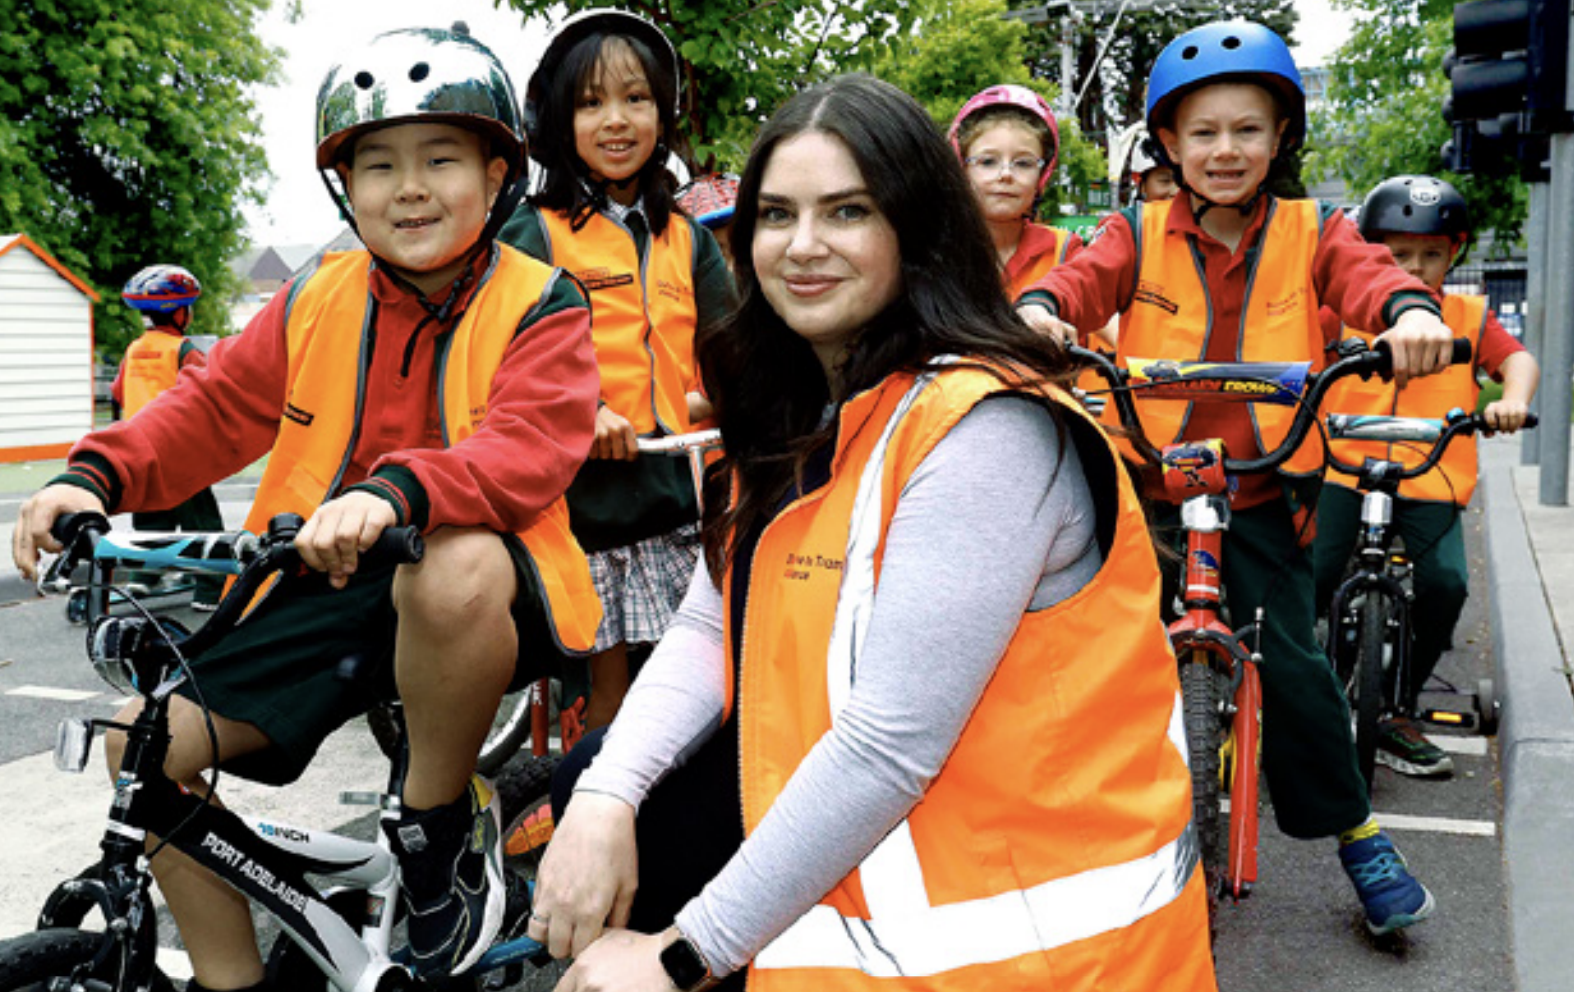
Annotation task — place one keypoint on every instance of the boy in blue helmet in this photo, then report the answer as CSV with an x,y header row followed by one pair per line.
x,y
1226,271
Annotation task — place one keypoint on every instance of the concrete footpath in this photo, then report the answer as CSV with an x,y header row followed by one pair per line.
x,y
1530,554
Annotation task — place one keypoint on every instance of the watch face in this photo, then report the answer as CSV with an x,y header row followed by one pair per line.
x,y
683,964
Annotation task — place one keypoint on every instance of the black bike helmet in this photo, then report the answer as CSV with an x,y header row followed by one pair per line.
x,y
1414,205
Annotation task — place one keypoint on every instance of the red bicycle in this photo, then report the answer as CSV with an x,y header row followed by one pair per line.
x,y
1221,690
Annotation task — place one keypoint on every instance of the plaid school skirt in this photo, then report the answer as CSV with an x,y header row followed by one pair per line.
x,y
642,584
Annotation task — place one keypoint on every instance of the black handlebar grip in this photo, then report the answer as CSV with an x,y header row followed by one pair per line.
x,y
1531,420
1461,355
395,546
68,525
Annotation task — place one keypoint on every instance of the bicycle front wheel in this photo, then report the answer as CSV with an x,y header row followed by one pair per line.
x,y
1202,705
1368,683
48,959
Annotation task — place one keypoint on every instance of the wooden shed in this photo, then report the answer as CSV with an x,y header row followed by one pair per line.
x,y
46,353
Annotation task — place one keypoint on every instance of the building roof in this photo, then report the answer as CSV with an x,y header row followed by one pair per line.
x,y
9,241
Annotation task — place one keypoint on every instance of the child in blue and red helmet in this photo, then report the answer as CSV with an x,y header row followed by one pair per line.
x,y
164,295
1229,272
1425,223
1008,141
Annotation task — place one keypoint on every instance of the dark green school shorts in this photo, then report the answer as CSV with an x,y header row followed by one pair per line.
x,y
310,657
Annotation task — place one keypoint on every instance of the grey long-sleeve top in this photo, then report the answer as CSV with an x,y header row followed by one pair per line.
x,y
996,519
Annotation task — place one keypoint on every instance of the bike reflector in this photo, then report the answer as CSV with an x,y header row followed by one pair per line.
x,y
1235,382
73,742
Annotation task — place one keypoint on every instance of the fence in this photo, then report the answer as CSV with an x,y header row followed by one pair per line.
x,y
1502,283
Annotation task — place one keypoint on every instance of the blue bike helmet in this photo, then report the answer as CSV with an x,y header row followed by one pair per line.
x,y
1223,52
161,288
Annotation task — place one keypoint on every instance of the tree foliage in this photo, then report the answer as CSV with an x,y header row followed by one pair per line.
x,y
1117,93
127,138
965,46
1384,112
744,58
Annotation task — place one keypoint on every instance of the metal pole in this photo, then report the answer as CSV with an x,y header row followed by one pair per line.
x,y
1068,65
1535,291
1557,357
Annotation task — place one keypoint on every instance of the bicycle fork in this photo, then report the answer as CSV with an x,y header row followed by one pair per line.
x,y
1205,519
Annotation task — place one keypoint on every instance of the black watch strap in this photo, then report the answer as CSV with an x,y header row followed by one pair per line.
x,y
684,964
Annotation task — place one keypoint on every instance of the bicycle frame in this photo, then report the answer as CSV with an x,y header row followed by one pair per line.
x,y
265,860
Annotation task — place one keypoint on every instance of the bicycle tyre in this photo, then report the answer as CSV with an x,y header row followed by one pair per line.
x,y
510,732
1368,701
29,963
1201,702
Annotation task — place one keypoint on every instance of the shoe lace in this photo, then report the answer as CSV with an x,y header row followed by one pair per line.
x,y
1384,866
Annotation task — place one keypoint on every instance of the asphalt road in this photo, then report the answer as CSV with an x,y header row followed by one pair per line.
x,y
1301,930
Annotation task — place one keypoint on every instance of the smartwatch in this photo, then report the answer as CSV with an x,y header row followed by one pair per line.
x,y
685,965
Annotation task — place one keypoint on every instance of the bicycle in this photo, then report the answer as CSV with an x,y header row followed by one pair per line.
x,y
526,715
1369,633
340,936
1221,688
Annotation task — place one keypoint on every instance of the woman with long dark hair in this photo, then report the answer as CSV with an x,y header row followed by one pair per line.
x,y
915,723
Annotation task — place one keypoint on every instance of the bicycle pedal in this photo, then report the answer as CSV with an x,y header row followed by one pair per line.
x,y
1450,718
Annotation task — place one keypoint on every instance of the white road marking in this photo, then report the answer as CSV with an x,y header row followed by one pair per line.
x,y
50,692
1473,746
1437,825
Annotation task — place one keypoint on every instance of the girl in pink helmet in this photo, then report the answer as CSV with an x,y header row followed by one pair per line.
x,y
1008,141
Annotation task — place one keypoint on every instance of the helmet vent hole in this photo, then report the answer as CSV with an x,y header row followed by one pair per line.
x,y
1189,52
1409,210
364,80
1231,43
419,71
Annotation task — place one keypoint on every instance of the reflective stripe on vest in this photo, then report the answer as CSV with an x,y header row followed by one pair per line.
x,y
929,901
321,417
1454,478
642,314
152,364
1171,316
1040,266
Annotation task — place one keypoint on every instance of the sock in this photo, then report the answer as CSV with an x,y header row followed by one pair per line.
x,y
425,842
1363,832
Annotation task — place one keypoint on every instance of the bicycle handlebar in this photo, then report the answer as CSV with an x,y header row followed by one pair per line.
x,y
1254,382
677,444
260,557
1348,427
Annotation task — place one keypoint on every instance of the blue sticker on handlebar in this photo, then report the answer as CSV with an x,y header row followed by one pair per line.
x,y
1281,383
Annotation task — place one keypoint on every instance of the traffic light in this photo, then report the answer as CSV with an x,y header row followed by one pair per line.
x,y
1511,56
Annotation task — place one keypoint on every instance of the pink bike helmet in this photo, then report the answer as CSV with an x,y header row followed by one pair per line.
x,y
1010,95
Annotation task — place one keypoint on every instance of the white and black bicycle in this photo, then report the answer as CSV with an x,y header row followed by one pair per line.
x,y
96,932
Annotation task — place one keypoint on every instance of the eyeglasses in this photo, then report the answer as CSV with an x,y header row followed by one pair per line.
x,y
994,165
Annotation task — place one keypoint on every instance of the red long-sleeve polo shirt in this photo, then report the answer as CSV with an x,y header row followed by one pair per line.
x,y
217,420
1356,280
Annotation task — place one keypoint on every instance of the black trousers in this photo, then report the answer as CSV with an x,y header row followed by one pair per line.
x,y
688,828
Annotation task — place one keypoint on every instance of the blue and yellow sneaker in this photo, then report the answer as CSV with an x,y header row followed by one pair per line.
x,y
451,861
1391,896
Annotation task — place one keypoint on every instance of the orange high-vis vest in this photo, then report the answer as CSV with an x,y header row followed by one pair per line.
x,y
328,328
1040,266
152,364
1454,478
642,314
1171,316
1054,849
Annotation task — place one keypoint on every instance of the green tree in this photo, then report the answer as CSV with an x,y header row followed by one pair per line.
x,y
127,138
965,46
1116,90
1384,111
743,58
